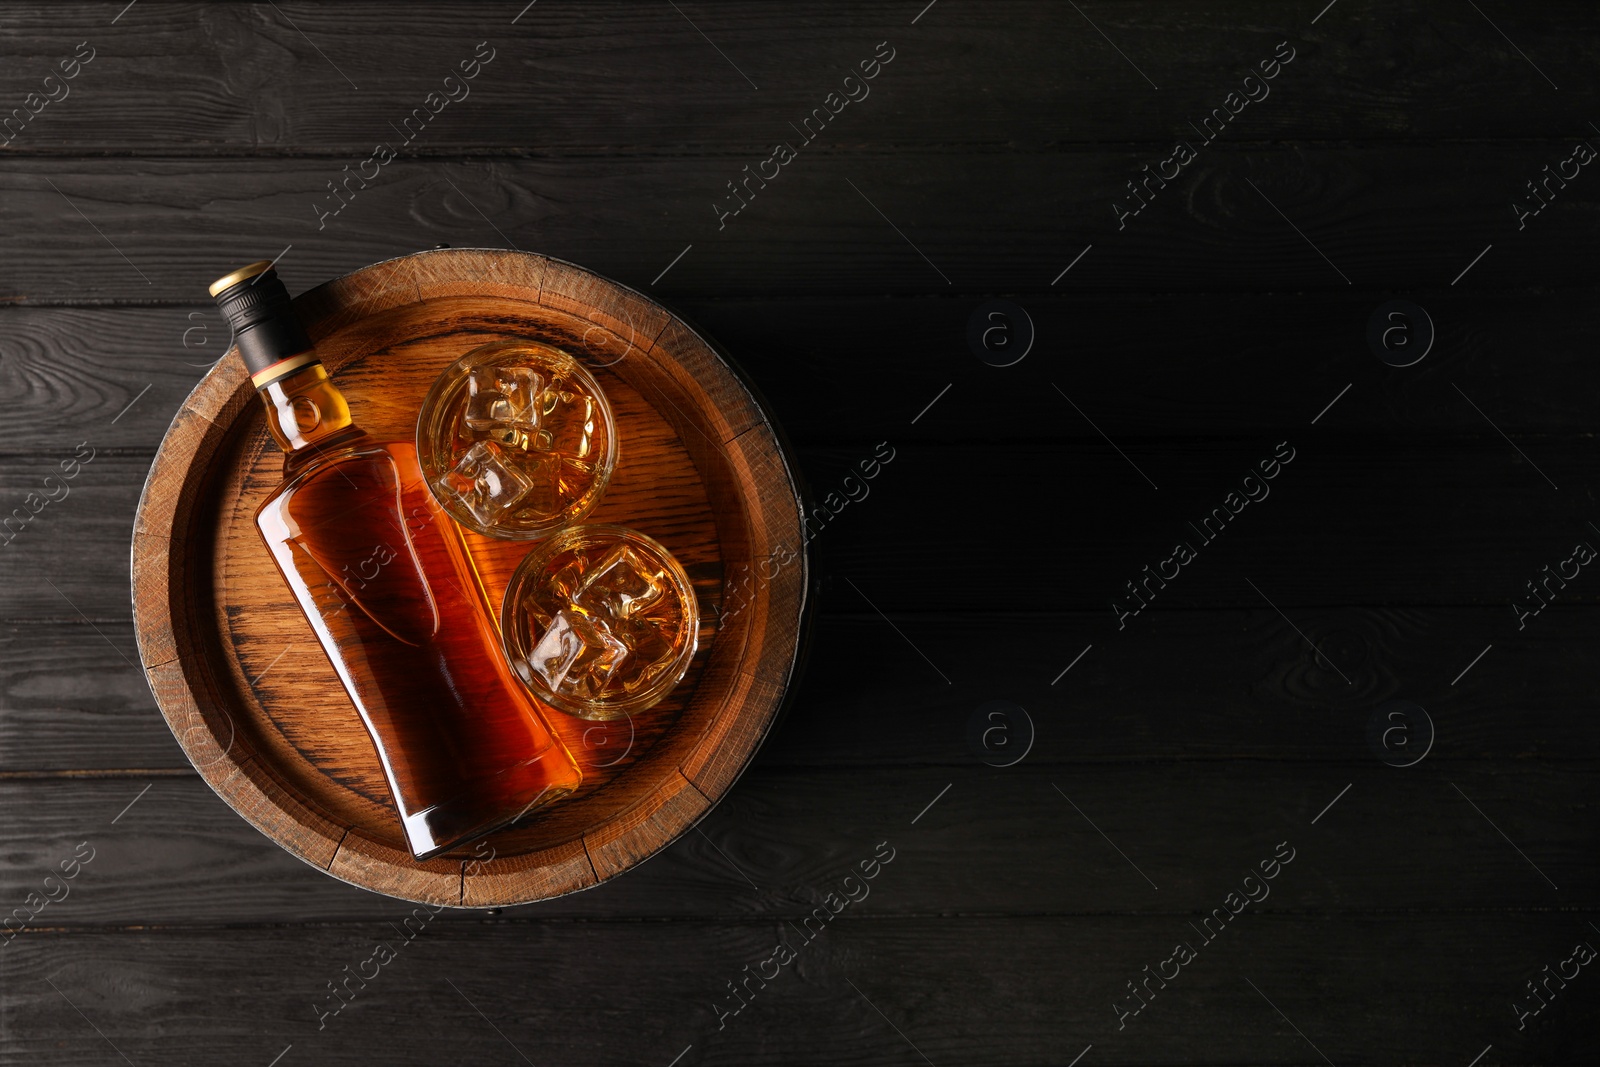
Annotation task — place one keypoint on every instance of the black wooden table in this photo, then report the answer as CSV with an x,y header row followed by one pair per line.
x,y
1211,684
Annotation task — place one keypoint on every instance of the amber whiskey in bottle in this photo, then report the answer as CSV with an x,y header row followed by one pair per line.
x,y
386,582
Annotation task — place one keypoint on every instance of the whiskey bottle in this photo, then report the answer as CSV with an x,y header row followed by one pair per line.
x,y
388,586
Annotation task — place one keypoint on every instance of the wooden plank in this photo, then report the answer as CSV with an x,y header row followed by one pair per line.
x,y
184,79
1366,521
1231,685
1363,521
861,992
1232,378
1398,839
1194,685
985,223
1173,364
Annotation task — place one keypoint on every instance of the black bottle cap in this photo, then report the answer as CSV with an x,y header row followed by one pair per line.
x,y
265,325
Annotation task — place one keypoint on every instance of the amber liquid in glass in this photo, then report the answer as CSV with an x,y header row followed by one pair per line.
x,y
383,576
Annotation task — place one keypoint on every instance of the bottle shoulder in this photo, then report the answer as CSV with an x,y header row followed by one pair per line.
x,y
355,470
343,521
363,451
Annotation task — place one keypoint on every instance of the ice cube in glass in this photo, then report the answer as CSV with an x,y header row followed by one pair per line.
x,y
576,654
620,585
483,483
486,406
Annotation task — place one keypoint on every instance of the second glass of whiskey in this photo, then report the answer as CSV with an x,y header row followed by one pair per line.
x,y
600,621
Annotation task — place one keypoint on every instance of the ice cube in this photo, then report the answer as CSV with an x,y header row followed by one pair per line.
x,y
486,484
542,472
567,413
586,438
522,388
564,582
651,647
487,406
516,437
556,394
576,655
506,403
621,585
506,435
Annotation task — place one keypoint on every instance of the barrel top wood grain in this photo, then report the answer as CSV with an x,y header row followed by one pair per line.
x,y
255,704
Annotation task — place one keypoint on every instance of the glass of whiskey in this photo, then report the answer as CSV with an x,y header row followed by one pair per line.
x,y
600,621
516,440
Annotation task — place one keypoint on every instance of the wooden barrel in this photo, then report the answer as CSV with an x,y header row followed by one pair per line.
x,y
248,693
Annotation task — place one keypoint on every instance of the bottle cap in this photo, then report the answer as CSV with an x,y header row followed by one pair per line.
x,y
228,281
265,325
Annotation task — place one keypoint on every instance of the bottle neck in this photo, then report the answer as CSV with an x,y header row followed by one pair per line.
x,y
306,413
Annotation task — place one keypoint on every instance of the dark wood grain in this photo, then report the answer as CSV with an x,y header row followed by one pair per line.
x,y
1025,218
933,980
586,77
1401,839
